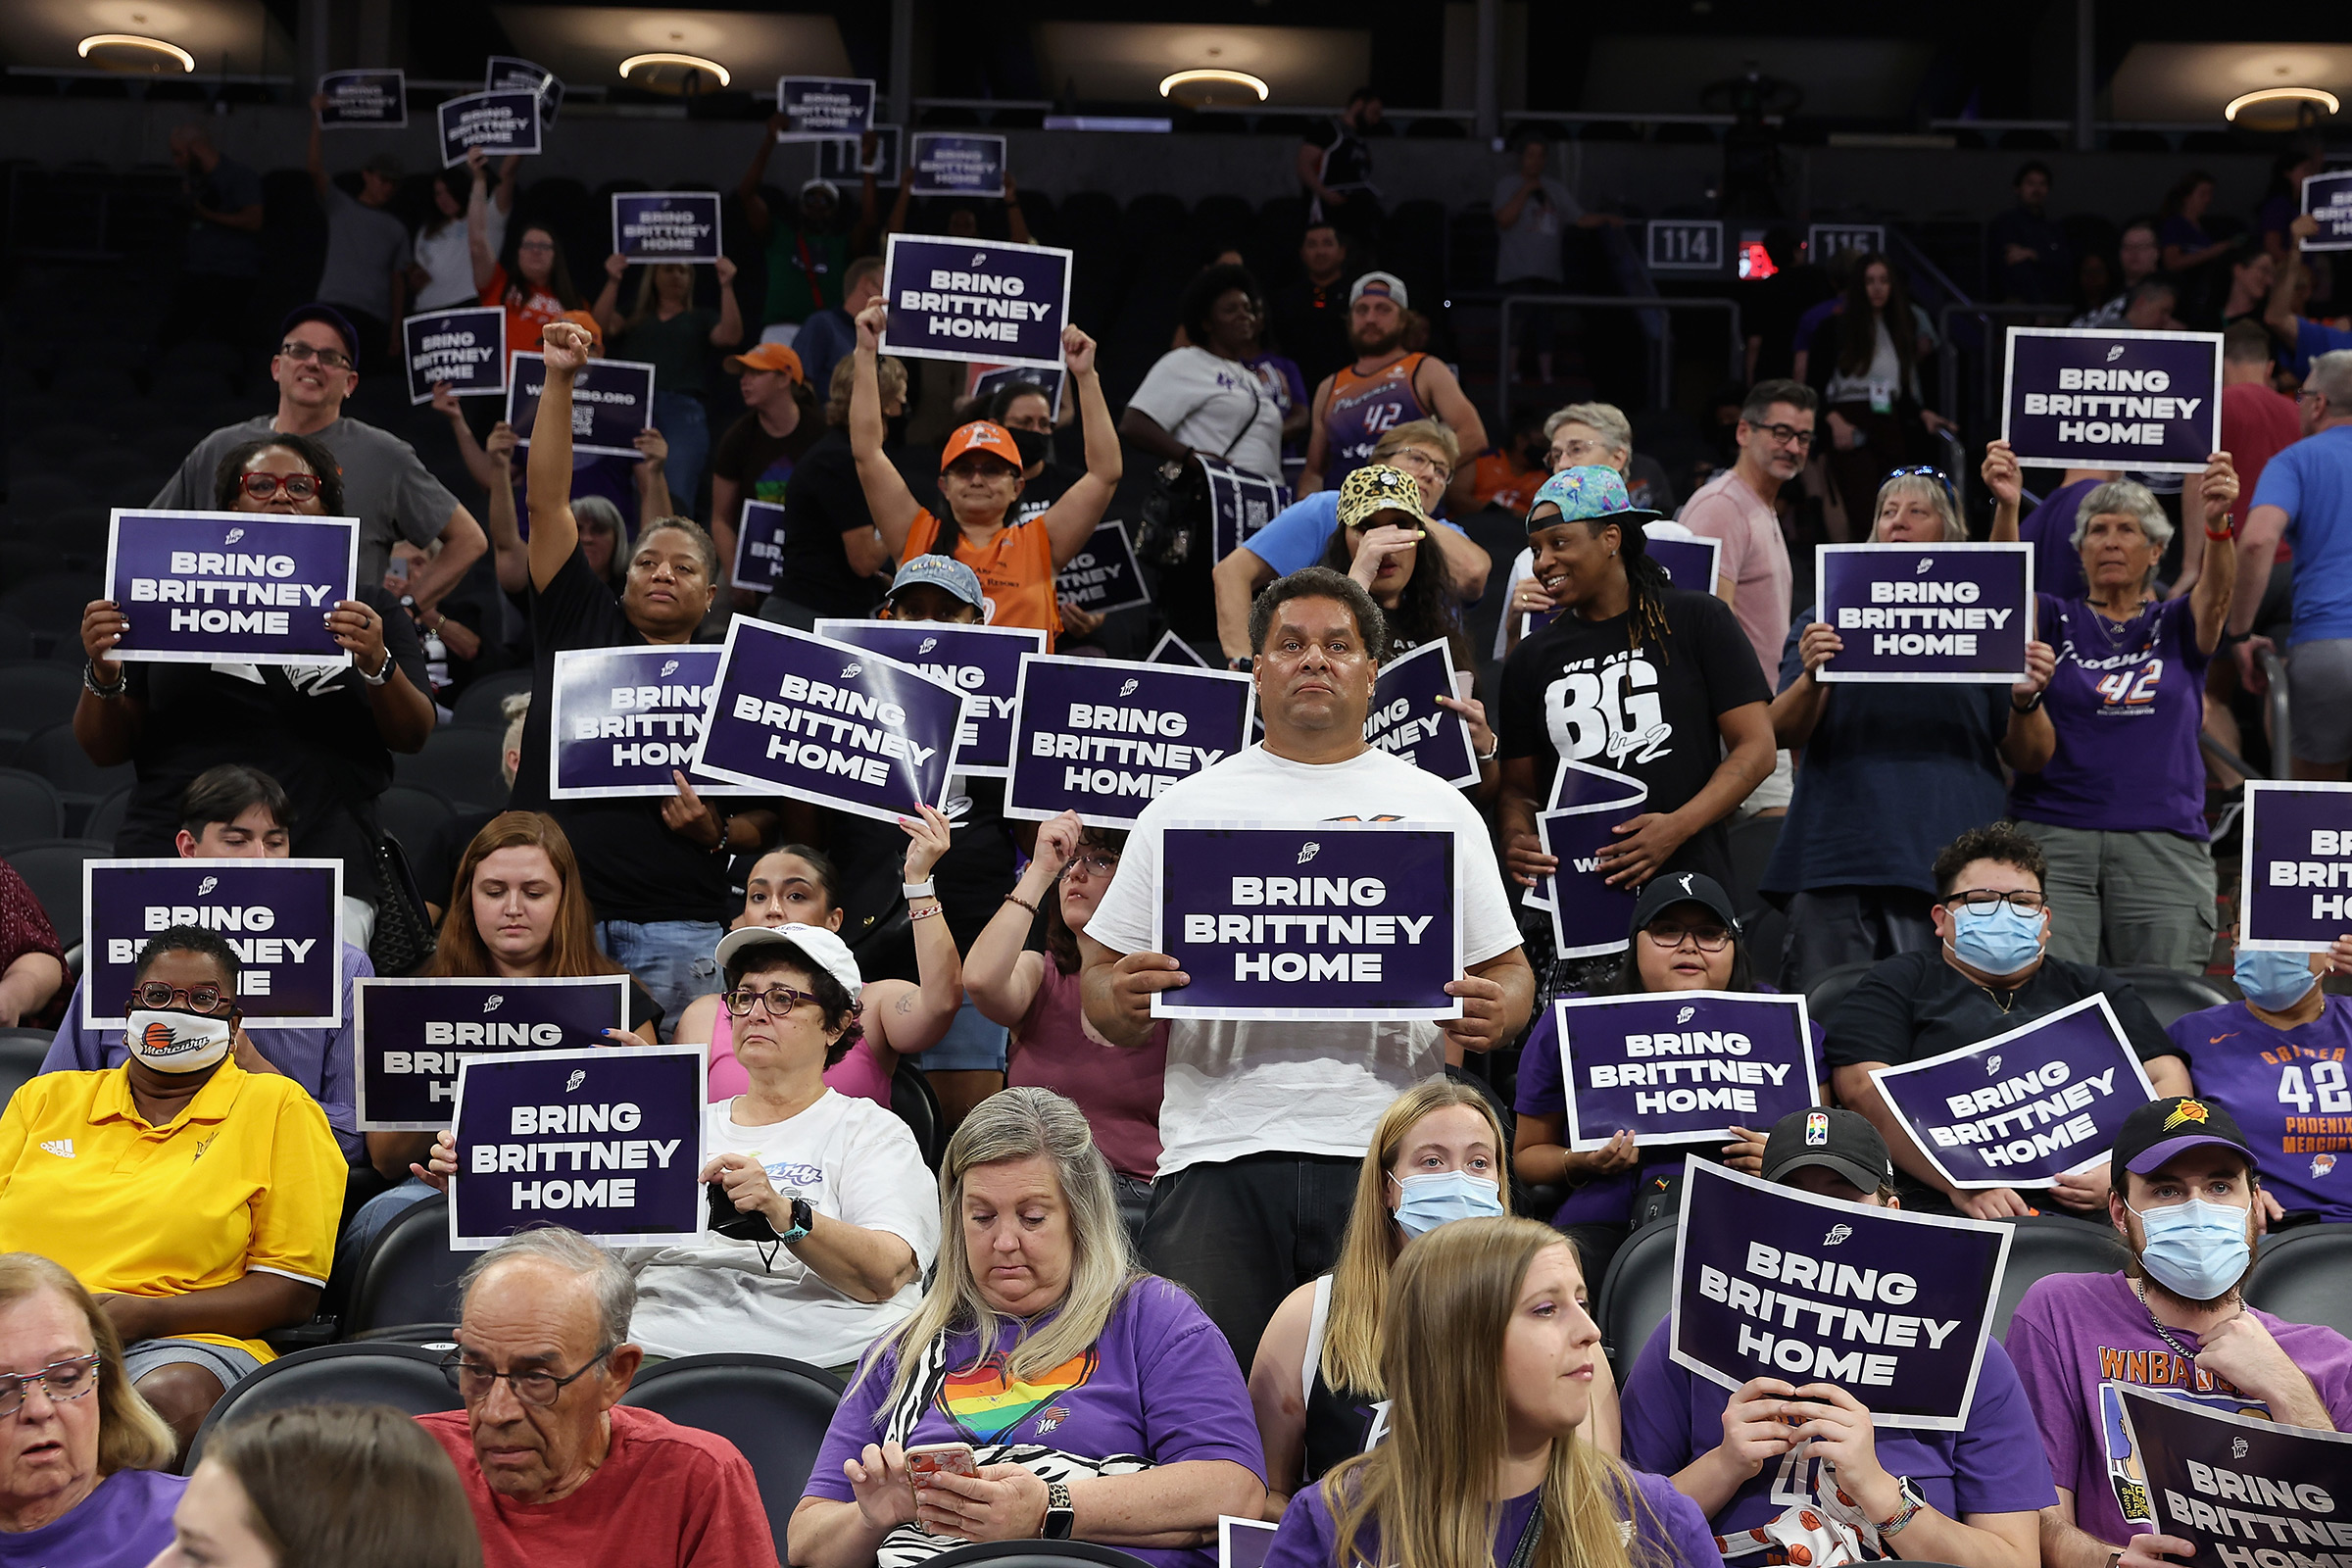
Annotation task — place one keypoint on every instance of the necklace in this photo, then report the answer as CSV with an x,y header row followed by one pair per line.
x,y
2141,1289
2117,632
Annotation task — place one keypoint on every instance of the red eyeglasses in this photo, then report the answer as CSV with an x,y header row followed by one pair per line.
x,y
268,486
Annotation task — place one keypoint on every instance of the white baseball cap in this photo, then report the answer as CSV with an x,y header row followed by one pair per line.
x,y
820,948
1385,286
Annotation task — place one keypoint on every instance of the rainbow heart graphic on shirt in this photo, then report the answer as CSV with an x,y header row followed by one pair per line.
x,y
985,1403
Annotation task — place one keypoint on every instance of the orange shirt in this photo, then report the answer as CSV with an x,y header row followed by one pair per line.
x,y
1015,569
528,309
1499,481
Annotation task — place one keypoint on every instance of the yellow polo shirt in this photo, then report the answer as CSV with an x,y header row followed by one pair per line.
x,y
247,1177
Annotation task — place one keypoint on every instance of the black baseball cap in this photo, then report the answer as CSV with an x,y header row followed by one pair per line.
x,y
1683,887
319,311
1840,1142
2162,1128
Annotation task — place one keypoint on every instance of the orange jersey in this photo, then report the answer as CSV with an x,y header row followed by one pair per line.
x,y
1015,569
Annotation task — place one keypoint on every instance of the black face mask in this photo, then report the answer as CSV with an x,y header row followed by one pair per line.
x,y
1035,445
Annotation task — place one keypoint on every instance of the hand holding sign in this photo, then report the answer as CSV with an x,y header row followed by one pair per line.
x,y
2001,475
2218,489
360,631
1135,980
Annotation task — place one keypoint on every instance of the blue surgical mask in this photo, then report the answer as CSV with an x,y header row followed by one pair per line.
x,y
1432,1198
2274,981
2197,1249
2000,941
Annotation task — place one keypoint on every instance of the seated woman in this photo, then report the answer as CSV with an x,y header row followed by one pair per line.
x,y
32,962
1107,1408
1036,995
1805,1470
1316,1384
82,1481
199,1200
797,886
1489,1364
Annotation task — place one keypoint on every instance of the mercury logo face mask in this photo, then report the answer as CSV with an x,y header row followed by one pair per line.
x,y
177,1042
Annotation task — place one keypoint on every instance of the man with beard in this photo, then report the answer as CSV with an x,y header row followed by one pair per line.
x,y
2185,1197
1387,386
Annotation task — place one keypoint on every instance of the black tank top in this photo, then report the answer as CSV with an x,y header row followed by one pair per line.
x,y
1340,1423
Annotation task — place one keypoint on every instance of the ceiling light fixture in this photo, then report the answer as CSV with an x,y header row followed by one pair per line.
x,y
1214,74
2282,95
690,62
132,40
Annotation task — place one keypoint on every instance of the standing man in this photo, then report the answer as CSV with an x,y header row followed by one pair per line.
x,y
1264,1125
753,461
224,255
1387,385
809,250
827,336
1335,170
1739,508
1532,213
2030,253
367,271
1310,316
384,483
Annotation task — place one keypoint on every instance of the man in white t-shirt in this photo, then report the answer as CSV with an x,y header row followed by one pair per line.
x,y
1263,1125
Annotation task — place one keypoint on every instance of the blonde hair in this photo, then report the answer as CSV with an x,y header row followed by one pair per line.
x,y
890,380
131,1435
1935,493
1451,1298
1359,1280
1606,418
1019,1124
1418,433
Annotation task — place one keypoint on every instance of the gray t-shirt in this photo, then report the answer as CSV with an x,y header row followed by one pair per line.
x,y
364,245
1530,246
384,485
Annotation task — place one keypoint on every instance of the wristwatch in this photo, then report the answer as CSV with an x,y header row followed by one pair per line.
x,y
804,1220
1912,1503
1060,1517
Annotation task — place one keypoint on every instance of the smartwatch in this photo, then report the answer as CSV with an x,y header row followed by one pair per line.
x,y
1060,1517
804,1220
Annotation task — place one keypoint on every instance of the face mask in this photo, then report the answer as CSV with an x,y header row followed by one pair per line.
x,y
1035,445
2196,1250
1429,1201
2274,981
177,1042
1997,941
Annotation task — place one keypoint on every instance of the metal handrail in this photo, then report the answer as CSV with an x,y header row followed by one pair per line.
x,y
1661,388
2282,739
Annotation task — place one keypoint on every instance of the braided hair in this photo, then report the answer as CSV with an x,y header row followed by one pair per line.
x,y
1645,584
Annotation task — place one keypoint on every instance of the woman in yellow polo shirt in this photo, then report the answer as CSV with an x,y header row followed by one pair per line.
x,y
194,1190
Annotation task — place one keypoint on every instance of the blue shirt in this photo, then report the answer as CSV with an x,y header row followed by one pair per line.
x,y
1301,532
321,1060
2311,481
823,339
2312,339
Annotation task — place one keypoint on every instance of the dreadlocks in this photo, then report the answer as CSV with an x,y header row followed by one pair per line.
x,y
1645,583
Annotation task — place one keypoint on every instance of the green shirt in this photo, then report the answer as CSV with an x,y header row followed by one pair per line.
x,y
678,349
800,282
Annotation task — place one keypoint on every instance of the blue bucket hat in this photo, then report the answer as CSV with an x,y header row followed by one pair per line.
x,y
1595,493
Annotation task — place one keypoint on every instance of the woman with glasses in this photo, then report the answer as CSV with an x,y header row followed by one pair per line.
x,y
1036,994
85,1465
1579,435
193,1190
1891,772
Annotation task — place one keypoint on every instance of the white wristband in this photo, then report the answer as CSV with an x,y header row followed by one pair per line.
x,y
919,889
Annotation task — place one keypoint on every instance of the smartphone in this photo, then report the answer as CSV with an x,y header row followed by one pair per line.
x,y
932,1458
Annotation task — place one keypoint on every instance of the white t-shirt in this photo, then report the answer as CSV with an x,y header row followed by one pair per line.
x,y
1238,1088
1202,401
854,1163
448,262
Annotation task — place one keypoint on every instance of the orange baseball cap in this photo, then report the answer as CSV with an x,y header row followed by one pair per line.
x,y
981,435
767,356
587,322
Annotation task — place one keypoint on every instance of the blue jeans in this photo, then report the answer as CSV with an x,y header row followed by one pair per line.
x,y
686,425
670,959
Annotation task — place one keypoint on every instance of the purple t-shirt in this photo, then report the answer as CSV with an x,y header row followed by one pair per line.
x,y
1670,1527
1992,1465
2076,1335
2289,1090
1159,1387
124,1523
2128,701
2050,529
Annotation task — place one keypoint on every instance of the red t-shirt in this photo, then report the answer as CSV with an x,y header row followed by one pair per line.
x,y
528,307
664,1494
2257,424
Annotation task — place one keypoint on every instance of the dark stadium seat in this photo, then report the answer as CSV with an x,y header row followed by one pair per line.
x,y
2170,995
406,1377
36,497
774,1412
2052,1244
477,705
56,756
1035,1554
458,765
414,816
913,1102
2301,1277
1636,1293
52,602
106,817
36,696
30,810
21,1053
52,871
1826,993
411,1275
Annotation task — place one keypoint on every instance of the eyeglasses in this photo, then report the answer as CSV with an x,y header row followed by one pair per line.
x,y
1095,865
70,1379
976,468
1924,471
1980,900
1787,436
266,486
780,1000
536,245
537,1386
1710,938
156,994
2308,392
1415,461
301,353
1575,452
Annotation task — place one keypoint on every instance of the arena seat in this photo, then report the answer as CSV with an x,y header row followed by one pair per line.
x,y
106,817
52,602
21,1053
2170,995
58,756
774,1410
406,1377
52,871
476,705
1034,1554
457,763
913,1102
414,816
1636,1293
1826,993
30,810
410,1278
38,496
1752,843
2043,1245
2300,1277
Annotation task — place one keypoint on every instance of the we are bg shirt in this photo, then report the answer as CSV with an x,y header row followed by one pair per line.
x,y
2289,1091
247,1179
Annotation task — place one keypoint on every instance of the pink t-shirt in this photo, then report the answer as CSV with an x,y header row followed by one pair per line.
x,y
1117,1088
1754,557
860,1074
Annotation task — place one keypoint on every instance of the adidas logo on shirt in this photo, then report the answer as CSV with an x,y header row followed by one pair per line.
x,y
62,1148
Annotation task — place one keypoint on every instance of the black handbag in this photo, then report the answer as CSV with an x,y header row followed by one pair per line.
x,y
1175,522
403,934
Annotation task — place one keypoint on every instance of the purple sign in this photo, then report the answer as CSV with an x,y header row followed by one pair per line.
x,y
2103,398
1243,1543
1240,502
2327,197
984,663
1174,650
1588,916
824,108
759,547
819,720
362,100
2026,1106
197,587
958,164
1103,576
1316,920
1681,1066
498,122
1938,614
508,74
463,349
283,920
620,719
607,1142
1406,720
2240,1486
1106,738
976,299
612,403
1773,1282
2295,890
414,1034
845,161
667,225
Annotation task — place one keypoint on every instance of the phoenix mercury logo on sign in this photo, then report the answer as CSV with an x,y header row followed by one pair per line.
x,y
492,1002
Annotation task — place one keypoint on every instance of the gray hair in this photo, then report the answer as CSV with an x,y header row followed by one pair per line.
x,y
2332,375
1938,496
1606,418
2127,497
614,1286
